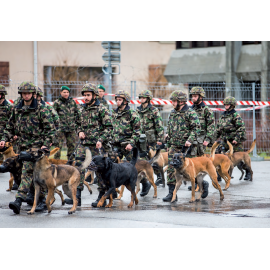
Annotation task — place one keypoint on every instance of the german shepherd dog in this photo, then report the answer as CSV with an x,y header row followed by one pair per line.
x,y
114,175
51,176
190,168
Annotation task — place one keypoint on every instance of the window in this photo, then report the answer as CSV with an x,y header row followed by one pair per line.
x,y
4,73
198,44
250,42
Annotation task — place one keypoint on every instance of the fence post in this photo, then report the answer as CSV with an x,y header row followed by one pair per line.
x,y
131,82
35,64
134,95
254,123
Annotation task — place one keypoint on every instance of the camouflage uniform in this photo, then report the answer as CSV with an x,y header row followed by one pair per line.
x,y
230,126
35,128
207,122
95,122
68,113
103,100
126,127
183,125
17,101
151,121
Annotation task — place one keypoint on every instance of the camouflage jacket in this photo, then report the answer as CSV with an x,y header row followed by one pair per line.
x,y
17,101
55,116
5,113
230,126
150,119
68,113
207,121
33,126
96,123
104,102
183,126
126,126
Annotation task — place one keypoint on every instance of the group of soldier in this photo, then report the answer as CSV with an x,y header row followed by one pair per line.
x,y
31,123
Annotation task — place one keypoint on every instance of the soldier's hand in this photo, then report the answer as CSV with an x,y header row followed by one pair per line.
x,y
15,137
42,147
128,147
234,142
159,143
188,144
205,143
98,145
2,144
81,135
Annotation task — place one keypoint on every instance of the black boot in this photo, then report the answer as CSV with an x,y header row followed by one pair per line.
x,y
14,187
219,177
205,185
16,205
248,175
101,193
159,179
145,187
30,196
190,187
168,198
41,205
78,197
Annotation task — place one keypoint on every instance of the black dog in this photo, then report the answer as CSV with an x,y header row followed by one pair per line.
x,y
14,166
114,175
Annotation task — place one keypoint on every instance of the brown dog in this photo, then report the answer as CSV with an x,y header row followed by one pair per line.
x,y
239,157
51,176
190,168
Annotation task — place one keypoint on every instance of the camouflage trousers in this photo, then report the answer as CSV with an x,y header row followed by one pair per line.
x,y
80,157
27,180
236,147
170,172
71,142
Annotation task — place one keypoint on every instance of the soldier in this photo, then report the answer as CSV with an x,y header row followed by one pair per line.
x,y
207,122
230,126
183,129
95,131
68,113
102,100
32,125
151,132
126,126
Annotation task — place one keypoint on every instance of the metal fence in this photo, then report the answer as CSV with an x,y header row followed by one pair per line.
x,y
214,92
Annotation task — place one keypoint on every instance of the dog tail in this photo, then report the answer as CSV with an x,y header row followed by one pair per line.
x,y
213,150
87,161
230,148
135,156
252,147
55,150
155,157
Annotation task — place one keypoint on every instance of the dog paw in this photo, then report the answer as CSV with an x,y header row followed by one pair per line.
x,y
118,198
197,200
191,201
70,212
8,189
222,197
91,191
63,202
155,196
30,213
130,205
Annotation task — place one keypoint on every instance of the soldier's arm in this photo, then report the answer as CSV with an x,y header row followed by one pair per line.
x,y
158,125
136,125
168,138
107,125
210,124
218,130
77,115
195,126
9,131
49,130
240,128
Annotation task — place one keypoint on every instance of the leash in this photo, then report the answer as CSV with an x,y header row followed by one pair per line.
x,y
75,150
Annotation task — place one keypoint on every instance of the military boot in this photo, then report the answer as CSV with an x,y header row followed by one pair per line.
x,y
168,198
145,187
30,196
15,186
248,175
101,193
41,205
190,187
159,179
16,205
78,197
205,185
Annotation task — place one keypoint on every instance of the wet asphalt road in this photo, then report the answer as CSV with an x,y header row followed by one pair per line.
x,y
246,205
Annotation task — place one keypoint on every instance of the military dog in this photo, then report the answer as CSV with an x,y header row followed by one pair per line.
x,y
51,176
190,168
116,174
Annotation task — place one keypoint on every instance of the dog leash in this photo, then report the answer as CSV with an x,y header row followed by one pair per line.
x,y
75,151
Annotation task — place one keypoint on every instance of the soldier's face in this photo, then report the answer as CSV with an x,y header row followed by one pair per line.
x,y
101,93
195,98
174,103
38,97
35,95
87,96
27,96
64,93
227,107
143,99
119,101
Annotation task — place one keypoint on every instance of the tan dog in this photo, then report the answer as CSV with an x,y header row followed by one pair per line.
x,y
51,176
239,157
190,168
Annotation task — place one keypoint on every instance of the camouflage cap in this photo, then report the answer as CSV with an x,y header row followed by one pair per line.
x,y
178,95
146,94
100,86
197,90
230,101
27,87
123,94
39,92
90,87
3,89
